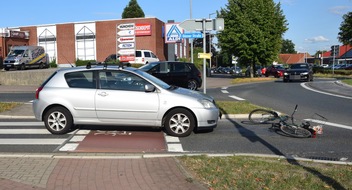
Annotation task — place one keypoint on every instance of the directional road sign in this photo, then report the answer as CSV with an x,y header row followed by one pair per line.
x,y
197,25
192,35
204,55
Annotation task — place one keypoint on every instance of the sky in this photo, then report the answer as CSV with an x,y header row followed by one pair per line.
x,y
313,24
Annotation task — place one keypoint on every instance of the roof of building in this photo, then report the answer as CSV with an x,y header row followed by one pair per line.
x,y
293,58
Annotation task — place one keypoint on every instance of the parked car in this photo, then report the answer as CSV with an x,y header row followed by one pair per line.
x,y
275,70
182,74
298,71
257,69
144,57
110,95
23,57
237,71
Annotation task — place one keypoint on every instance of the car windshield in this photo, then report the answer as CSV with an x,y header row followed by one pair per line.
x,y
155,80
148,66
298,66
16,52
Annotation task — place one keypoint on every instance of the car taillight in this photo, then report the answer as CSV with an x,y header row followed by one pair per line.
x,y
37,92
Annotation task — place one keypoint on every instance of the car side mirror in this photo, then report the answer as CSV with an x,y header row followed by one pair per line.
x,y
149,88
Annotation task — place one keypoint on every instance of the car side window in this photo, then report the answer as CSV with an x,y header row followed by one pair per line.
x,y
153,55
147,54
121,80
80,79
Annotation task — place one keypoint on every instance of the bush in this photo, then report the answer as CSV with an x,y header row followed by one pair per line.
x,y
84,62
53,64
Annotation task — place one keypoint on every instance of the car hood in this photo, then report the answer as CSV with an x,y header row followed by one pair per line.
x,y
296,70
192,93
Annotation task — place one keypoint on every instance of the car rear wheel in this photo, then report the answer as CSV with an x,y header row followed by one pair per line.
x,y
179,123
192,84
58,120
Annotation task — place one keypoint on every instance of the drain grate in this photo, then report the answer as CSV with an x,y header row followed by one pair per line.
x,y
323,158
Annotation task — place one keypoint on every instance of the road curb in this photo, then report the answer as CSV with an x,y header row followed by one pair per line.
x,y
166,155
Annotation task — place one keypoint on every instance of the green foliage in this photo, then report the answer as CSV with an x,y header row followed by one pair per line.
x,y
288,46
84,62
133,10
253,30
53,64
345,33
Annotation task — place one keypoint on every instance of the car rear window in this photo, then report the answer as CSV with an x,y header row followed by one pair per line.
x,y
80,79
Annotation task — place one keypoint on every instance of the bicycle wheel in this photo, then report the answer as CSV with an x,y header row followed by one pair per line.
x,y
261,116
295,131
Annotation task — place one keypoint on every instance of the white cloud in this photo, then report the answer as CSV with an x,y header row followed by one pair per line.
x,y
340,10
316,39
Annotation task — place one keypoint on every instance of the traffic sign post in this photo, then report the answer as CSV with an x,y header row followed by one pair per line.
x,y
203,25
125,43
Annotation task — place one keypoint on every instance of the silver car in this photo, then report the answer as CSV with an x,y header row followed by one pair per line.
x,y
108,95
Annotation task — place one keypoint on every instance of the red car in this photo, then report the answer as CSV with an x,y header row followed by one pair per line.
x,y
275,70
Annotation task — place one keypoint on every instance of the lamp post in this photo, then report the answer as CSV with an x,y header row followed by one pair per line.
x,y
190,16
210,44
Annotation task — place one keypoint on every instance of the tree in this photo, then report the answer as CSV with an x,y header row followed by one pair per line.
x,y
288,46
345,34
133,10
253,31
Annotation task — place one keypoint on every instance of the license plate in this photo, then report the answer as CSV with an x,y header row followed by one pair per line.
x,y
8,65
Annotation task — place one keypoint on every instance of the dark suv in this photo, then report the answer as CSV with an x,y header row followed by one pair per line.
x,y
176,73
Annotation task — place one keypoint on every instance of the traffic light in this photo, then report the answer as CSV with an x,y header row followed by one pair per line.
x,y
335,50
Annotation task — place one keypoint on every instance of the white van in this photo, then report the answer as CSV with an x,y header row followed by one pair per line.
x,y
22,57
144,57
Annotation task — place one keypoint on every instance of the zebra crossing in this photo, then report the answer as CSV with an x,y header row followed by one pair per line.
x,y
24,136
34,134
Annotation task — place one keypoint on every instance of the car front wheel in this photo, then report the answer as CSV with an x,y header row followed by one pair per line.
x,y
179,123
58,120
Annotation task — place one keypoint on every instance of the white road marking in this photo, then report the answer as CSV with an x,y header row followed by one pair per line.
x,y
173,144
237,98
321,92
225,91
24,131
330,124
41,141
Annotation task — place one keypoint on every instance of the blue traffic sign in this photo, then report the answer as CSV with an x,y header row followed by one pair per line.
x,y
192,35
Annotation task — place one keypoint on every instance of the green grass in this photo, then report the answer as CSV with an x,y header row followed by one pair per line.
x,y
240,172
347,81
7,106
236,107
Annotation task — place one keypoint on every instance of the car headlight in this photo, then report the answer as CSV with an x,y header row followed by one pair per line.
x,y
207,104
305,73
285,73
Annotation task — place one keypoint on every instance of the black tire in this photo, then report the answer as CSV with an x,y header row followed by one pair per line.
x,y
22,67
41,66
179,123
7,69
58,120
262,116
192,84
295,131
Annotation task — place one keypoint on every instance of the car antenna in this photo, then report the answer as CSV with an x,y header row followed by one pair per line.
x,y
67,61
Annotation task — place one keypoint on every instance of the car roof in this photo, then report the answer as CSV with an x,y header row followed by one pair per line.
x,y
94,67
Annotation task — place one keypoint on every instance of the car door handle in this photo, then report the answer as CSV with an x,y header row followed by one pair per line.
x,y
103,94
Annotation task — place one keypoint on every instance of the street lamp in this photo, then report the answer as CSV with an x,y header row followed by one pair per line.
x,y
210,43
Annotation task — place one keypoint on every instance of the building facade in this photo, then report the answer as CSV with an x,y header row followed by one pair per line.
x,y
95,40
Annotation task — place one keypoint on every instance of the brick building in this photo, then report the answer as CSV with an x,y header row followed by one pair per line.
x,y
93,40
